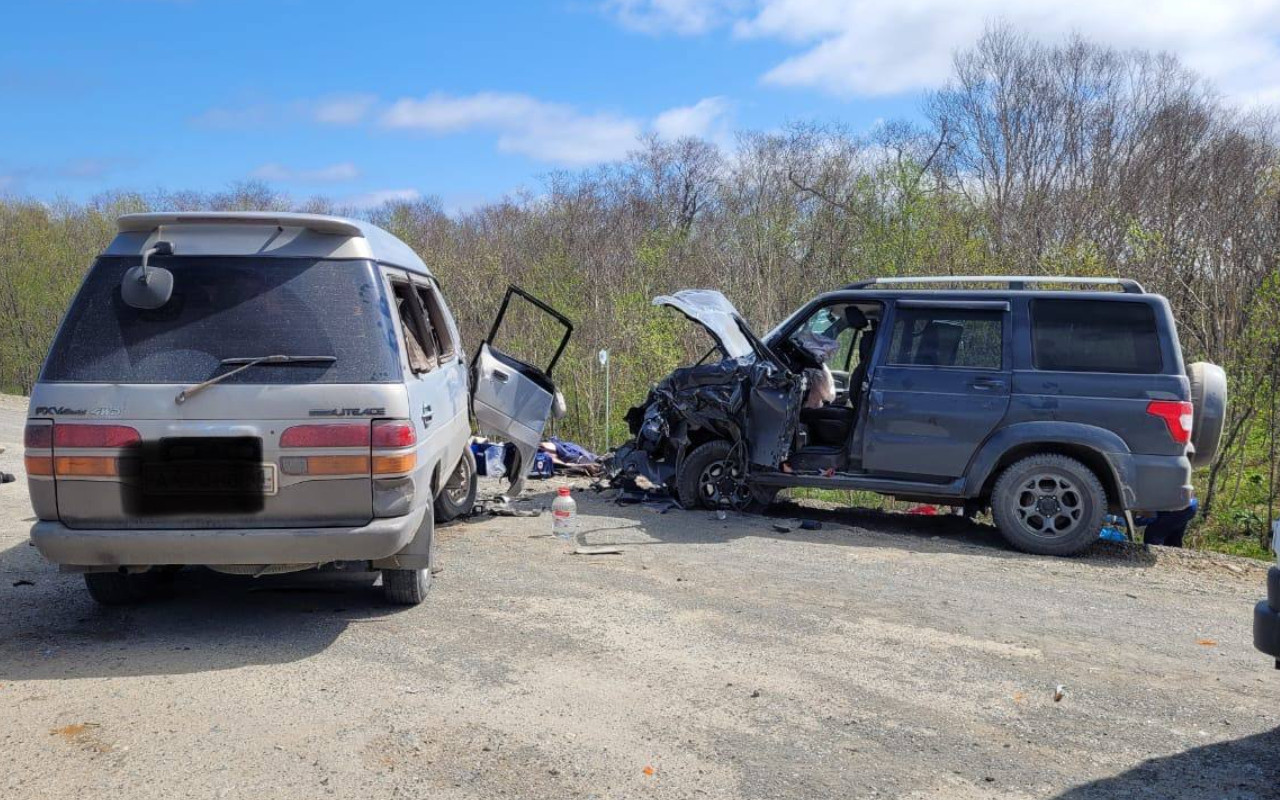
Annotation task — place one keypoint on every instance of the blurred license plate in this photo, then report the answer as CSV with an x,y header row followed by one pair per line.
x,y
211,479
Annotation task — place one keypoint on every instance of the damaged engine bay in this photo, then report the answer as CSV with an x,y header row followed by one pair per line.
x,y
704,428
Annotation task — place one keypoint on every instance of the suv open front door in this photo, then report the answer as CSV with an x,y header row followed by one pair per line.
x,y
512,398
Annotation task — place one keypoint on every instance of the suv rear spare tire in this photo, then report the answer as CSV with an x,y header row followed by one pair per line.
x,y
1049,505
1209,397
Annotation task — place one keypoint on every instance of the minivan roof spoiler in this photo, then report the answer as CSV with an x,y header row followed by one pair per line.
x,y
1017,283
319,223
206,234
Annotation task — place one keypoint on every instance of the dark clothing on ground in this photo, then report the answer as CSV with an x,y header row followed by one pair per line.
x,y
1169,527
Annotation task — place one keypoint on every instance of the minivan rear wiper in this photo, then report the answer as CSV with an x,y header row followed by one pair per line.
x,y
244,363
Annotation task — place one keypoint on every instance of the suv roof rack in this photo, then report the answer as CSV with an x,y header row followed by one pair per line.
x,y
1017,283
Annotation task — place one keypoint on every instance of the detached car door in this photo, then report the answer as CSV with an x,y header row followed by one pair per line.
x,y
511,397
940,387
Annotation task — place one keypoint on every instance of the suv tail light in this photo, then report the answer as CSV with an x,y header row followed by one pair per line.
x,y
1177,415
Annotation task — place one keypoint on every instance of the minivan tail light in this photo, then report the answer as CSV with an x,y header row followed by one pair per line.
x,y
339,435
38,437
94,436
394,433
394,465
1177,416
86,466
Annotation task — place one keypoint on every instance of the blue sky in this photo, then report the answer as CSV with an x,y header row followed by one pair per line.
x,y
467,101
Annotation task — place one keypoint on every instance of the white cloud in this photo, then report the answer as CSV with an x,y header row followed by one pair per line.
x,y
871,47
344,109
681,16
539,129
345,171
705,119
378,197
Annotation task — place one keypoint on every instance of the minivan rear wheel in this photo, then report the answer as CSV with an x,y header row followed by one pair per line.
x,y
1049,505
406,587
457,497
125,588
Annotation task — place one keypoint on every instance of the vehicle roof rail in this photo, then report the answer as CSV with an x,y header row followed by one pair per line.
x,y
1015,283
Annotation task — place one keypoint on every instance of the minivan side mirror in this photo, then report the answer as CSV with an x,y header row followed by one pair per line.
x,y
146,287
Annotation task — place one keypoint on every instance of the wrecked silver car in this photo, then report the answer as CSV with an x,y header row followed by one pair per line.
x,y
1050,406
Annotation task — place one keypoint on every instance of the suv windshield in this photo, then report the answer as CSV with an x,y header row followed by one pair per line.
x,y
230,307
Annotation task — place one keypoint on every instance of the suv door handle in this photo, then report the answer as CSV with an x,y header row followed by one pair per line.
x,y
987,383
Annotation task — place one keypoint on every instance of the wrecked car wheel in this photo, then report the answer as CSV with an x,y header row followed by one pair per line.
x,y
712,477
457,497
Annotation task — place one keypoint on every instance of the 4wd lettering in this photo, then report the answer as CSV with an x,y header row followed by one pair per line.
x,y
348,412
60,411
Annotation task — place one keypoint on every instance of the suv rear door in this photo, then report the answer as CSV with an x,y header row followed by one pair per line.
x,y
511,397
940,385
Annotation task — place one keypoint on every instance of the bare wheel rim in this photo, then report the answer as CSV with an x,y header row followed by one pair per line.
x,y
721,484
1049,505
459,484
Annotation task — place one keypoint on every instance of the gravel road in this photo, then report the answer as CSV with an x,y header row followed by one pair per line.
x,y
880,656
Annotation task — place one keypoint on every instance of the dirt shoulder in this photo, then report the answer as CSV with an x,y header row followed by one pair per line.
x,y
877,657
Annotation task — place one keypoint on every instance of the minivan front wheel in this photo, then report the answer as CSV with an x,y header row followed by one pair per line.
x,y
1049,505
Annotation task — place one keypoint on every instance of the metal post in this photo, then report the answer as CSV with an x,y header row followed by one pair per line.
x,y
604,362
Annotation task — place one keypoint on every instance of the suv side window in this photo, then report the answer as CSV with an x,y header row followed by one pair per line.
x,y
417,333
1094,336
433,303
947,337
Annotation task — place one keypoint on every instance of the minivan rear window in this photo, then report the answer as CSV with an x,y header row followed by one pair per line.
x,y
1095,336
230,307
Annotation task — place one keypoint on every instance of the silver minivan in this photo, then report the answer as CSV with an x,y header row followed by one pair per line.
x,y
261,393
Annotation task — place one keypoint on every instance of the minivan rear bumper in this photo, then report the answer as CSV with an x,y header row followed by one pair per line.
x,y
97,548
1154,483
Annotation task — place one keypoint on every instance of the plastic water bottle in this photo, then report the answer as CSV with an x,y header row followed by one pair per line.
x,y
564,515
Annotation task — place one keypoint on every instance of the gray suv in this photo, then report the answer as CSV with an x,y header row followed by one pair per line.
x,y
259,393
1049,406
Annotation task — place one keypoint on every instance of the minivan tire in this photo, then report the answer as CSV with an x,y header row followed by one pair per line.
x,y
701,463
406,587
124,588
1049,505
457,498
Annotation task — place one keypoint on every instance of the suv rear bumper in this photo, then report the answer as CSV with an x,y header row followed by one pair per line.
x,y
1154,483
1266,618
98,548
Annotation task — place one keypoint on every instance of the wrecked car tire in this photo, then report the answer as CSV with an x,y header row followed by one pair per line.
x,y
1049,505
457,497
709,478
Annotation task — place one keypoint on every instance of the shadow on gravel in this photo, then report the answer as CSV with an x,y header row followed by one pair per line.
x,y
1242,769
51,629
919,534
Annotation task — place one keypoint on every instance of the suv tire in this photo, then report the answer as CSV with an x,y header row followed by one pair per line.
x,y
457,497
1049,505
695,483
125,588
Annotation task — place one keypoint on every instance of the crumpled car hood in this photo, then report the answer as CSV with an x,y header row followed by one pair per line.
x,y
712,311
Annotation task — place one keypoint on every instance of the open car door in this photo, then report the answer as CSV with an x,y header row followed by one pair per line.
x,y
511,397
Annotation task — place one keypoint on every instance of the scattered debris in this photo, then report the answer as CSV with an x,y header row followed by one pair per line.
x,y
755,693
597,551
648,769
23,582
1207,642
781,528
810,525
1059,693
